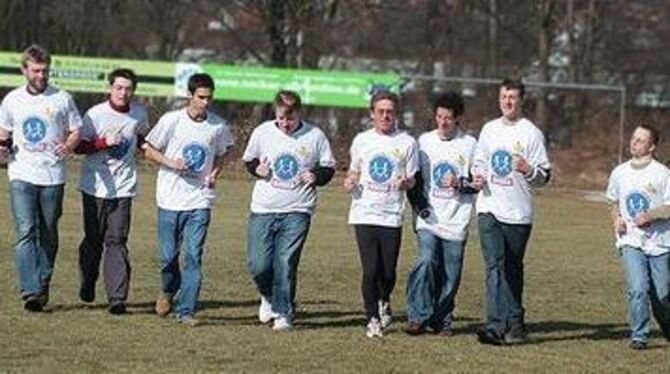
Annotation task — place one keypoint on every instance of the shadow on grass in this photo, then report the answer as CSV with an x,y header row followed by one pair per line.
x,y
147,307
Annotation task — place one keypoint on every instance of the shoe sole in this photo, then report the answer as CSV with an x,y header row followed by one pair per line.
x,y
484,338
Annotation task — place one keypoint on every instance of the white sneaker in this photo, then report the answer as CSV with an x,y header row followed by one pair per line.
x,y
374,329
265,313
385,313
282,324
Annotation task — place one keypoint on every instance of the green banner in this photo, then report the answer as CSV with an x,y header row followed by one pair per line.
x,y
84,74
233,83
323,88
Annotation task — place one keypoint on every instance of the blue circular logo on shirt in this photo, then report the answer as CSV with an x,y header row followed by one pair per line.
x,y
501,163
439,171
380,169
34,129
636,203
118,151
195,155
285,167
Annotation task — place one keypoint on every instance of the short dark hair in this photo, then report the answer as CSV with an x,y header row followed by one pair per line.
x,y
384,95
514,84
452,101
289,100
200,80
122,73
653,131
35,53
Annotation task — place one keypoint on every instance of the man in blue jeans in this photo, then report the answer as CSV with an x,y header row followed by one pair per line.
x,y
290,158
639,194
39,129
442,200
510,160
189,145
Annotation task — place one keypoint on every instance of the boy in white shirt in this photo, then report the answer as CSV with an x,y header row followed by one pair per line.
x,y
290,158
39,129
639,194
384,161
442,199
510,159
189,145
111,134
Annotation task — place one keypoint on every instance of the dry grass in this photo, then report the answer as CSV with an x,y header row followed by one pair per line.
x,y
574,299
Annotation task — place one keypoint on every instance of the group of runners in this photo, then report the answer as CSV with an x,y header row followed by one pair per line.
x,y
444,176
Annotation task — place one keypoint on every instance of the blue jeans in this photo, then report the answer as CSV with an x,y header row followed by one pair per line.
x,y
273,253
433,282
36,210
647,279
503,248
175,227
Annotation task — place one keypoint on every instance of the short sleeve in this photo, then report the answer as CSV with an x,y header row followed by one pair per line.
x,y
73,117
612,191
326,158
159,136
252,150
6,121
225,141
412,158
354,155
87,130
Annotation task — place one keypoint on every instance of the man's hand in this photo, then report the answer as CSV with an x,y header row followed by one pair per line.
x,y
61,151
114,139
449,180
307,177
642,219
619,225
176,164
403,183
264,169
521,164
351,181
478,181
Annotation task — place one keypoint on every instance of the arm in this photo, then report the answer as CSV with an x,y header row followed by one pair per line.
x,y
323,175
159,158
659,213
416,198
86,147
618,222
62,150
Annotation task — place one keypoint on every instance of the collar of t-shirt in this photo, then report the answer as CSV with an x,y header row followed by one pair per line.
x,y
295,131
455,133
120,109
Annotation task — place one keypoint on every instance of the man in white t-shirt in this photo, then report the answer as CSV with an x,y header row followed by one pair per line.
x,y
639,194
189,145
442,199
384,161
290,158
510,159
39,128
111,134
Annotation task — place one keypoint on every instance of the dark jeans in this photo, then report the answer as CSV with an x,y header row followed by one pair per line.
x,y
503,247
379,248
106,227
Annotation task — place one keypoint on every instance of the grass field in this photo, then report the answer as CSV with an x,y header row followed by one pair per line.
x,y
574,299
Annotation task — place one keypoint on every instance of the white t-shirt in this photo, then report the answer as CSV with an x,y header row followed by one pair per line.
x,y
38,123
381,159
112,173
176,135
507,194
289,156
450,210
637,191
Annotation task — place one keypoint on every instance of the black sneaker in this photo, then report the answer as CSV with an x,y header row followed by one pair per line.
x,y
489,336
87,294
117,308
33,304
638,345
516,337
